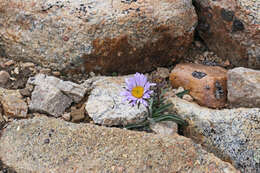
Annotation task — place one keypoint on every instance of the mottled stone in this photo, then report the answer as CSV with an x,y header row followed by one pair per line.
x,y
97,35
206,84
77,114
105,104
48,99
231,28
75,91
46,144
165,128
4,77
231,134
243,87
12,103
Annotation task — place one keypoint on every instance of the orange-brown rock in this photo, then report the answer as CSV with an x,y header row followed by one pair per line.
x,y
206,84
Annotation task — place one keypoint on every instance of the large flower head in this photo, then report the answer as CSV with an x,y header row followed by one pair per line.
x,y
137,90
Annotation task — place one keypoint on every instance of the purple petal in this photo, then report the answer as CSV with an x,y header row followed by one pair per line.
x,y
143,80
144,102
137,79
146,96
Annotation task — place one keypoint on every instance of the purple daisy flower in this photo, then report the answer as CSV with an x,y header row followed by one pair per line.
x,y
137,90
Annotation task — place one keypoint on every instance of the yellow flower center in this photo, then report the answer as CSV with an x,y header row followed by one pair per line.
x,y
138,91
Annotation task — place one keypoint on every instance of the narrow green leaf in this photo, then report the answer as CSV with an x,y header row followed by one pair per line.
x,y
135,126
162,108
171,117
181,94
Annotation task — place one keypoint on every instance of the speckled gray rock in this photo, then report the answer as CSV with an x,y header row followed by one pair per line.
x,y
97,35
50,100
13,104
105,105
72,90
52,95
46,144
243,86
231,28
231,134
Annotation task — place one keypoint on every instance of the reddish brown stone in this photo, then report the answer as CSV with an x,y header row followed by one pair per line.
x,y
206,84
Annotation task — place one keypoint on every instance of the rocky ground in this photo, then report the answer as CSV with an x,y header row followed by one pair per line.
x,y
63,66
86,98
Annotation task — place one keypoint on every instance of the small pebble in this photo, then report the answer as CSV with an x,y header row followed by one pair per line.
x,y
16,70
25,92
27,65
226,63
180,89
92,74
46,141
187,97
45,70
9,63
56,73
198,44
2,65
4,77
66,116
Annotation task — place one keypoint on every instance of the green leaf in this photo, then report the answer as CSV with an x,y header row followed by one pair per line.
x,y
135,126
181,94
171,117
151,104
161,109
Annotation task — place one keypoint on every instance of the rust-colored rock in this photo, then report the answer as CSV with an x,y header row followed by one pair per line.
x,y
206,84
231,28
103,36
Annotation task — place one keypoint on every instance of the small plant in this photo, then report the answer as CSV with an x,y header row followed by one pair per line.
x,y
138,91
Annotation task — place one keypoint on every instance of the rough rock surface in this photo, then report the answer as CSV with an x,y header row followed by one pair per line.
x,y
105,104
52,95
46,144
206,84
75,91
243,87
12,103
231,134
97,35
231,28
165,128
50,100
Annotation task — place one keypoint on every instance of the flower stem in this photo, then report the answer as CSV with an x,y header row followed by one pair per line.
x,y
149,113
